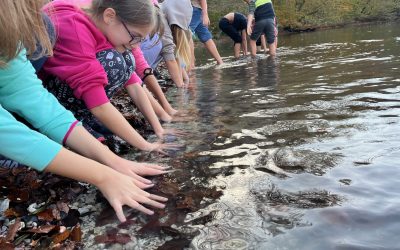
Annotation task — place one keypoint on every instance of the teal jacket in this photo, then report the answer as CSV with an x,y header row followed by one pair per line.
x,y
22,93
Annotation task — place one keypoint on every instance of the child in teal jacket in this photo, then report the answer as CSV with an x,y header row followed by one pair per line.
x,y
22,93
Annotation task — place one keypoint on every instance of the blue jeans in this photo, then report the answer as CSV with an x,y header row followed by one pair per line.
x,y
197,26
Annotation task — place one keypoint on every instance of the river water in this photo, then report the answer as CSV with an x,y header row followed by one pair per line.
x,y
300,152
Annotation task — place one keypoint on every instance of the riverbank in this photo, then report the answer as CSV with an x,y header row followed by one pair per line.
x,y
300,16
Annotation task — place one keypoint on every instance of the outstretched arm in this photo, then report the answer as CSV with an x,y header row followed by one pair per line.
x,y
114,121
117,188
244,42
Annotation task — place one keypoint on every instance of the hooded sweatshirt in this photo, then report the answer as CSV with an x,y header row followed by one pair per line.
x,y
74,60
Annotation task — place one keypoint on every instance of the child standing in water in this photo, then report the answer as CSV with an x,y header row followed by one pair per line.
x,y
263,13
94,58
199,26
22,93
235,26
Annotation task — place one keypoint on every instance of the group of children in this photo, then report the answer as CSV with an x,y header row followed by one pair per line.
x,y
262,31
84,51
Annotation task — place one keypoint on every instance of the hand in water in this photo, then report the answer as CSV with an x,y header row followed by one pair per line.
x,y
121,190
171,131
161,147
136,170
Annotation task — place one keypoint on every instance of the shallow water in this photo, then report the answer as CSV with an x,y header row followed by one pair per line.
x,y
304,149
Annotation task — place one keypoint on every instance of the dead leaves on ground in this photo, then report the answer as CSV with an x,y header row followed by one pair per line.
x,y
51,224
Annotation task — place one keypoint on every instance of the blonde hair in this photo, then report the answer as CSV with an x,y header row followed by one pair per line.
x,y
21,25
181,40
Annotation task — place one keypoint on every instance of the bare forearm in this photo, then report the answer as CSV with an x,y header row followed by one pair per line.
x,y
72,165
174,71
114,121
244,42
204,7
154,87
85,144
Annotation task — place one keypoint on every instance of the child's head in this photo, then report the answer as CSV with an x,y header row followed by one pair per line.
x,y
124,22
22,23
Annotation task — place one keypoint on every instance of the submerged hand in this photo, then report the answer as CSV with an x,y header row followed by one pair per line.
x,y
161,147
136,170
121,190
171,131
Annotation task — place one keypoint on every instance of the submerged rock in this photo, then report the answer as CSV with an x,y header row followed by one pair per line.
x,y
283,161
298,161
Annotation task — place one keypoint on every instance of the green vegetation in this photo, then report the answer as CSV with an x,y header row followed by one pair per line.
x,y
298,15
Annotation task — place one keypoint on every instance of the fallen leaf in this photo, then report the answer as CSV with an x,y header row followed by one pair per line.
x,y
13,229
11,213
61,237
76,233
18,195
6,246
46,215
112,239
45,229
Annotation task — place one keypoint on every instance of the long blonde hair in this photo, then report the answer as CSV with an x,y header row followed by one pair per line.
x,y
21,25
181,40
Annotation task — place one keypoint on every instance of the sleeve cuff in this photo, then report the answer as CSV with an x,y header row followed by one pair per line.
x,y
76,123
95,97
47,150
135,79
169,56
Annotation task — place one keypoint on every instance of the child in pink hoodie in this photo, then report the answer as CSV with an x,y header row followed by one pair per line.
x,y
94,58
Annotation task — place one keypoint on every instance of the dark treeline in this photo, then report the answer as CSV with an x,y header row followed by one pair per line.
x,y
298,15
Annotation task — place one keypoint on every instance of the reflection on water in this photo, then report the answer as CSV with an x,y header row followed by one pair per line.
x,y
300,152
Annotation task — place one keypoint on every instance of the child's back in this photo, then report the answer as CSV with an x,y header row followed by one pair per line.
x,y
263,13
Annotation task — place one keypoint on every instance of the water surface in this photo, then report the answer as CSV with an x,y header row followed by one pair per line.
x,y
301,152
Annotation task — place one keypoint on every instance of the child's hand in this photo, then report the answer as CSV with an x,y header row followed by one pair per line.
x,y
136,170
121,190
206,20
249,30
161,147
173,131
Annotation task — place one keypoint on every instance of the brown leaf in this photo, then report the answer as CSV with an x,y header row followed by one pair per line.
x,y
76,233
186,203
19,195
45,229
17,171
6,246
31,180
46,215
13,229
11,213
153,226
61,237
169,188
4,172
113,238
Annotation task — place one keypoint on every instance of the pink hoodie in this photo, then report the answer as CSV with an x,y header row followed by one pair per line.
x,y
74,60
